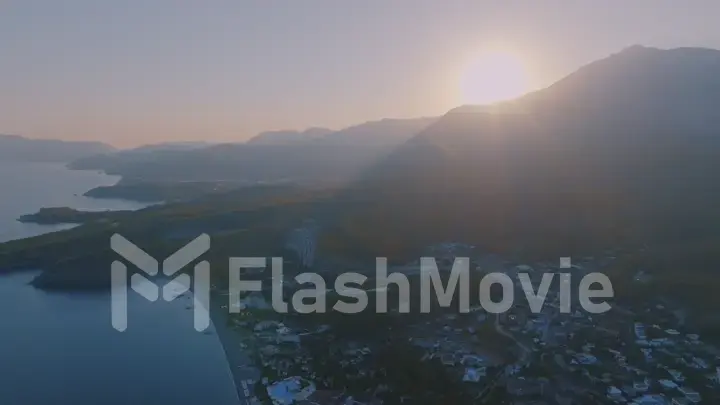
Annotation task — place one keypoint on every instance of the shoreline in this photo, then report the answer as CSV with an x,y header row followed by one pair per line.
x,y
239,362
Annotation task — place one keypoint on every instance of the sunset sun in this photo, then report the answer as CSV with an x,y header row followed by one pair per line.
x,y
494,76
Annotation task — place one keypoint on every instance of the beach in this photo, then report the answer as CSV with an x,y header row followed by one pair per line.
x,y
244,373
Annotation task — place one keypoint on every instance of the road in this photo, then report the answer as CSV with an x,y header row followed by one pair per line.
x,y
525,348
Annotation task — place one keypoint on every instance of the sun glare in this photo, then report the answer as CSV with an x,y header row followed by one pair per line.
x,y
494,76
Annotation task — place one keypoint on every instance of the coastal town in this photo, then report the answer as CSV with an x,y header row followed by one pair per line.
x,y
640,353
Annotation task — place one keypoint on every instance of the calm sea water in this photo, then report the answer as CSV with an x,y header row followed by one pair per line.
x,y
59,348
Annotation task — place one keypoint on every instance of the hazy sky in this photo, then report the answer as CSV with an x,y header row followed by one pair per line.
x,y
142,71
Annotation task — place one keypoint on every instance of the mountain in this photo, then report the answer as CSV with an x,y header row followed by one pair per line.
x,y
624,151
389,132
18,148
171,146
301,163
288,137
271,157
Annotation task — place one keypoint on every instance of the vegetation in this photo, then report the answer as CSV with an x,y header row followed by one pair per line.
x,y
161,191
65,215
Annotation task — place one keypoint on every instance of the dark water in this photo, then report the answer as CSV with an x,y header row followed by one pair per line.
x,y
61,349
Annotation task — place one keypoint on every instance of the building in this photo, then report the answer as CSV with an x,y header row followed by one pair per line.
x,y
474,374
689,393
699,363
254,300
287,338
292,389
651,400
676,375
667,384
614,394
641,386
265,325
585,358
640,331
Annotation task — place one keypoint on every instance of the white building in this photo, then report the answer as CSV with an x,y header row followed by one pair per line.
x,y
290,390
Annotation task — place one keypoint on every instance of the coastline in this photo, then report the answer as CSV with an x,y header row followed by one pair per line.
x,y
238,361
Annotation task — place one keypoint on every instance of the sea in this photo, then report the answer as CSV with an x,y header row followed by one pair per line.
x,y
61,349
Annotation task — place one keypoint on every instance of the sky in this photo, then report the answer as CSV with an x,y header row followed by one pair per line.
x,y
146,71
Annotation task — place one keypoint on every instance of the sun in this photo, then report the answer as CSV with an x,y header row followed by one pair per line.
x,y
494,76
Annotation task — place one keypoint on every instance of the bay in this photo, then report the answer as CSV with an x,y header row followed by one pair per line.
x,y
60,348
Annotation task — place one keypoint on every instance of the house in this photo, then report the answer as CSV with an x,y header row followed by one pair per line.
x,y
667,384
676,375
654,399
641,386
715,377
584,358
614,394
657,342
265,325
269,350
474,374
254,300
472,360
689,393
288,338
512,369
699,363
640,331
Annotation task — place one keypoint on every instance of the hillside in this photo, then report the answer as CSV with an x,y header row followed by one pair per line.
x,y
288,137
313,156
624,151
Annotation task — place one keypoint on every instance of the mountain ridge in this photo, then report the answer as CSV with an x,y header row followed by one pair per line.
x,y
19,148
569,166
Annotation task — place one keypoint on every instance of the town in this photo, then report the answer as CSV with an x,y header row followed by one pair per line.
x,y
636,353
